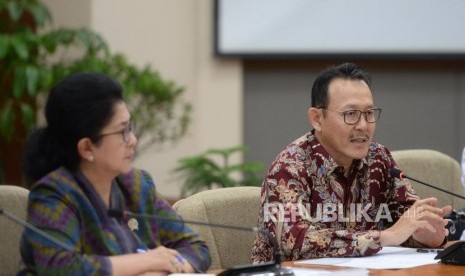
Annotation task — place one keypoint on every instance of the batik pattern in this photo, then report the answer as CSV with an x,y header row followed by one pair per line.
x,y
304,175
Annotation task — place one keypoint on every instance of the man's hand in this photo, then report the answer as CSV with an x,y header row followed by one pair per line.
x,y
436,238
423,220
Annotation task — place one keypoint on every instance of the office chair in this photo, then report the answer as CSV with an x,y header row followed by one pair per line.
x,y
237,206
13,199
435,168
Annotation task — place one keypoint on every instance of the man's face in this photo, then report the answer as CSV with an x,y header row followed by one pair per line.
x,y
346,142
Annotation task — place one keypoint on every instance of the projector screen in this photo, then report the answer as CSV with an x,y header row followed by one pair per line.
x,y
330,28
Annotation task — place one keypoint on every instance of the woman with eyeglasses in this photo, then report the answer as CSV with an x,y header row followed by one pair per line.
x,y
81,167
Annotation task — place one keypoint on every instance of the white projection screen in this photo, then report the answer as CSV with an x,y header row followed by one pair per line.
x,y
331,28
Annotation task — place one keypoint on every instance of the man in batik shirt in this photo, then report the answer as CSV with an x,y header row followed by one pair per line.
x,y
330,194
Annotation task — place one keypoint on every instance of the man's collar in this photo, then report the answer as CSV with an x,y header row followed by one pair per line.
x,y
328,160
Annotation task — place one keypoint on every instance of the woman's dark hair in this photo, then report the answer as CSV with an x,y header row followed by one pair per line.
x,y
77,107
344,71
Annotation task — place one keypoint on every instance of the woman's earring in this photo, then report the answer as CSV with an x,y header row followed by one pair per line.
x,y
91,158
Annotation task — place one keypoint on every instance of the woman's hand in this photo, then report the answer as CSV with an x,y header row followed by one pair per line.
x,y
170,260
158,261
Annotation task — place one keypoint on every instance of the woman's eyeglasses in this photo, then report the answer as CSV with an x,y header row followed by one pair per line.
x,y
126,132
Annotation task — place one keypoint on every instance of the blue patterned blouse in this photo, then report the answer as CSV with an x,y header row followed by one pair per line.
x,y
65,205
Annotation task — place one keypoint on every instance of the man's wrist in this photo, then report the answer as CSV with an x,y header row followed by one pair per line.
x,y
386,238
418,244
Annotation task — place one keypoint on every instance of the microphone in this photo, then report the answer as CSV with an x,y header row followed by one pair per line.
x,y
453,254
273,268
395,172
37,231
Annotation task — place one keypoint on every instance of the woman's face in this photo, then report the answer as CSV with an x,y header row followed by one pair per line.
x,y
114,154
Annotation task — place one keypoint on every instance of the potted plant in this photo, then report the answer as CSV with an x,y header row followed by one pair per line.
x,y
32,61
213,169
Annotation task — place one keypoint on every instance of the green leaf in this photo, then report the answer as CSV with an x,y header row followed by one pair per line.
x,y
203,172
48,42
15,10
19,82
4,45
7,117
84,38
101,44
27,117
32,77
62,36
20,47
45,78
31,39
40,13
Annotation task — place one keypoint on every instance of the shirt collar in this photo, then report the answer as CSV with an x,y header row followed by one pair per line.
x,y
319,152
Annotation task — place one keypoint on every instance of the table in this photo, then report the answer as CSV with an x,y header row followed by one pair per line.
x,y
426,270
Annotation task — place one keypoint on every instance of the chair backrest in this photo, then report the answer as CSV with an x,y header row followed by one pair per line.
x,y
435,168
238,206
13,199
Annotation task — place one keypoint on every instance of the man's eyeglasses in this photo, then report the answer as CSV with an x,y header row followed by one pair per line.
x,y
126,132
352,117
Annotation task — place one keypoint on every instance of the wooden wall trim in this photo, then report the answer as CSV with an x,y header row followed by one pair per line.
x,y
441,65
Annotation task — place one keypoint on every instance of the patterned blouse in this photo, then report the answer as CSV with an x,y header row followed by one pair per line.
x,y
315,211
65,205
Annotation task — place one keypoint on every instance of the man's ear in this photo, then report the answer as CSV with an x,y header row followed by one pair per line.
x,y
314,117
85,149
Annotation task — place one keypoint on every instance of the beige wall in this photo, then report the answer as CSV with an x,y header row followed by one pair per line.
x,y
174,37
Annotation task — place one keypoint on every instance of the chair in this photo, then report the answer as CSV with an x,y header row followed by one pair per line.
x,y
238,206
435,168
13,199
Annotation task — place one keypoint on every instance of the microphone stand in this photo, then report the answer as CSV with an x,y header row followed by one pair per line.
x,y
265,269
453,254
269,268
431,186
278,269
455,217
42,234
37,230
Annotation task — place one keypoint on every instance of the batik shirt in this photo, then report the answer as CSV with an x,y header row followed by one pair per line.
x,y
65,206
310,209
